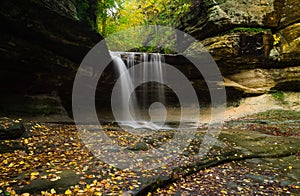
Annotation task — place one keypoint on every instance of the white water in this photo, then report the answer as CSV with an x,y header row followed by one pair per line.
x,y
150,69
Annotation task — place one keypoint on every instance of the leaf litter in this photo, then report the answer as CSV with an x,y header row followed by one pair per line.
x,y
54,148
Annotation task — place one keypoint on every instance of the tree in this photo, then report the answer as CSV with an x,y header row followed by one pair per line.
x,y
116,15
107,14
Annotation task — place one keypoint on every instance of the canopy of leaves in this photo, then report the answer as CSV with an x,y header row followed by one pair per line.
x,y
116,15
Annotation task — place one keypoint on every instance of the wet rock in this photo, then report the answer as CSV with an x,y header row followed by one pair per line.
x,y
149,140
42,45
260,153
45,181
11,146
11,129
138,147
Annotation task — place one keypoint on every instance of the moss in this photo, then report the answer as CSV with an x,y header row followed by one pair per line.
x,y
248,29
277,95
278,115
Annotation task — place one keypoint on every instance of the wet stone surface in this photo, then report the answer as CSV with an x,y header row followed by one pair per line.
x,y
248,158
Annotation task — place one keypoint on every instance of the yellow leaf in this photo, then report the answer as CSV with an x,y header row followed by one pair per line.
x,y
118,178
239,188
246,180
25,141
34,173
290,167
11,165
68,192
33,177
158,190
52,191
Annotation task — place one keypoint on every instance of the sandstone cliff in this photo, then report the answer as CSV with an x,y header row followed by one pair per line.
x,y
255,43
41,45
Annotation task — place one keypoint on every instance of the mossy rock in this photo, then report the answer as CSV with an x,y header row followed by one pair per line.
x,y
260,144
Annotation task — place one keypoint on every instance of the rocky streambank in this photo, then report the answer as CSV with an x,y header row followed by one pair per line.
x,y
256,154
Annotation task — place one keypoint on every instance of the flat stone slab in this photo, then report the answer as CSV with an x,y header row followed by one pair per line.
x,y
38,181
249,153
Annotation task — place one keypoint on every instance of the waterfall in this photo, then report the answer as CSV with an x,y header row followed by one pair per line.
x,y
145,71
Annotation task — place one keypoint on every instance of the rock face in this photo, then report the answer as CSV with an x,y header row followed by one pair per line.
x,y
11,129
42,44
255,43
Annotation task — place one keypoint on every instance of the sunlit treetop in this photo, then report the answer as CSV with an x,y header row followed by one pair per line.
x,y
116,15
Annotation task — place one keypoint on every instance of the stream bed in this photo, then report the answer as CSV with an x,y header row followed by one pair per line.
x,y
257,154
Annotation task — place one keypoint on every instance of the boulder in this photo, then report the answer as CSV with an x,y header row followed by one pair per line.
x,y
11,129
139,146
45,181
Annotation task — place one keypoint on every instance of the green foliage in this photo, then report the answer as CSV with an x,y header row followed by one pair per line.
x,y
277,95
109,16
160,39
107,13
279,115
117,15
248,29
153,49
164,12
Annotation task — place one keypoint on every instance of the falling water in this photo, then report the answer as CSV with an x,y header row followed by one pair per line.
x,y
151,67
126,87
